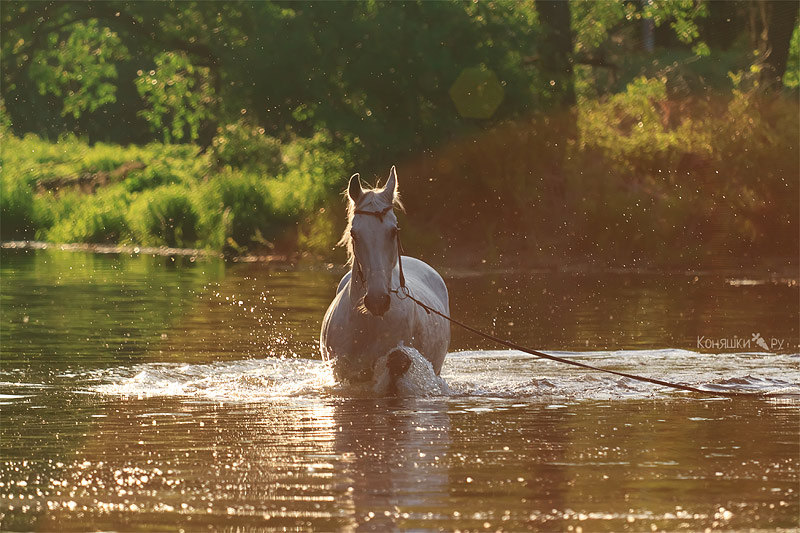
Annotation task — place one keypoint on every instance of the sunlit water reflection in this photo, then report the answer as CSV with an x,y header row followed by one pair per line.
x,y
139,393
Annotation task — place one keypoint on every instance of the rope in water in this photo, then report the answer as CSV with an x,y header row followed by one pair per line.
x,y
405,292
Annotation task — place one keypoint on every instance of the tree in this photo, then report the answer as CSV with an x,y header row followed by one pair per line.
x,y
375,72
777,20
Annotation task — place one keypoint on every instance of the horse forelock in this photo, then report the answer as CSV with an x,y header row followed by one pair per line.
x,y
371,200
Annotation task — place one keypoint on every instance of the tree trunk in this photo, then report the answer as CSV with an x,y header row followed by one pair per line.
x,y
781,22
772,23
556,50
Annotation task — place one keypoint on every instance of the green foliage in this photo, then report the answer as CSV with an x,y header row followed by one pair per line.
x,y
49,209
165,216
17,220
314,169
635,122
318,232
289,66
239,213
168,164
179,96
31,158
244,145
680,171
81,68
5,120
295,68
175,200
682,16
792,77
592,21
93,219
650,180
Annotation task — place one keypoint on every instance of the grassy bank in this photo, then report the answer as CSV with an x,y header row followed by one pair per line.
x,y
164,195
640,178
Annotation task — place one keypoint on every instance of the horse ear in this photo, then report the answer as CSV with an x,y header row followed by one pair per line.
x,y
390,189
354,190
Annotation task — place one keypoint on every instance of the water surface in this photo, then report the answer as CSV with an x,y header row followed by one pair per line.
x,y
160,393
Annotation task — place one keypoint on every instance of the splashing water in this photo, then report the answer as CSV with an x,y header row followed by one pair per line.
x,y
502,374
234,381
418,381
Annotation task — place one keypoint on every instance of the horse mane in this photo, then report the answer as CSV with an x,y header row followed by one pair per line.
x,y
372,200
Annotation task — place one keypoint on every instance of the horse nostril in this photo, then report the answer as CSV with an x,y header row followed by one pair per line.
x,y
377,304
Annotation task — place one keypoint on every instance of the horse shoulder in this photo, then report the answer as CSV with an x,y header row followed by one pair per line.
x,y
333,337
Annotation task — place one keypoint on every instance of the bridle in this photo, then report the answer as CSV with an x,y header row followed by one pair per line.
x,y
379,215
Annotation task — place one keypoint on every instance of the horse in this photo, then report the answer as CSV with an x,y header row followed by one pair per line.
x,y
370,321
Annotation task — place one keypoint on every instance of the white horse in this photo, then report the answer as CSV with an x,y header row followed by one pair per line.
x,y
368,322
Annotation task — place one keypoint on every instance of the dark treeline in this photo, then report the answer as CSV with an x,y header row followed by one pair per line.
x,y
379,72
598,131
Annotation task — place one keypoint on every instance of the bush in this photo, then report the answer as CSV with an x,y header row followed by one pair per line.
x,y
318,231
792,77
245,146
709,174
315,168
17,218
173,197
166,165
106,157
165,216
94,219
239,212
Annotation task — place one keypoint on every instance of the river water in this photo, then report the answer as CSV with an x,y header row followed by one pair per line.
x,y
141,393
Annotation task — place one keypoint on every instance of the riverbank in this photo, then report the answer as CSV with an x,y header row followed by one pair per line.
x,y
164,251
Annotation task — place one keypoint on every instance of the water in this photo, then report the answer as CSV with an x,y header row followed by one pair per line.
x,y
152,393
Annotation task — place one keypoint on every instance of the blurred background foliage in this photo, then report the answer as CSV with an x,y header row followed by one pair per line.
x,y
631,133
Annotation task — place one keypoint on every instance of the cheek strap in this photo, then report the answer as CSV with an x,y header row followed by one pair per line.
x,y
400,261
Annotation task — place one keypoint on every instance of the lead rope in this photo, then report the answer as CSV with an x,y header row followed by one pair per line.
x,y
404,292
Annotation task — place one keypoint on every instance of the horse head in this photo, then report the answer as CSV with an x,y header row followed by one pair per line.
x,y
372,241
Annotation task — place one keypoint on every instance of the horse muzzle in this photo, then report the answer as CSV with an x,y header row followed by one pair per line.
x,y
377,304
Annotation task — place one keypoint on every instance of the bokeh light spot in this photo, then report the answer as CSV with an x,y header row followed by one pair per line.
x,y
477,93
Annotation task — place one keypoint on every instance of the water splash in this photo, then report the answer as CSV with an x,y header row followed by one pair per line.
x,y
418,381
235,381
502,374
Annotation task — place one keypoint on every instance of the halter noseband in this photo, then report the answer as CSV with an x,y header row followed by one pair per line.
x,y
380,214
